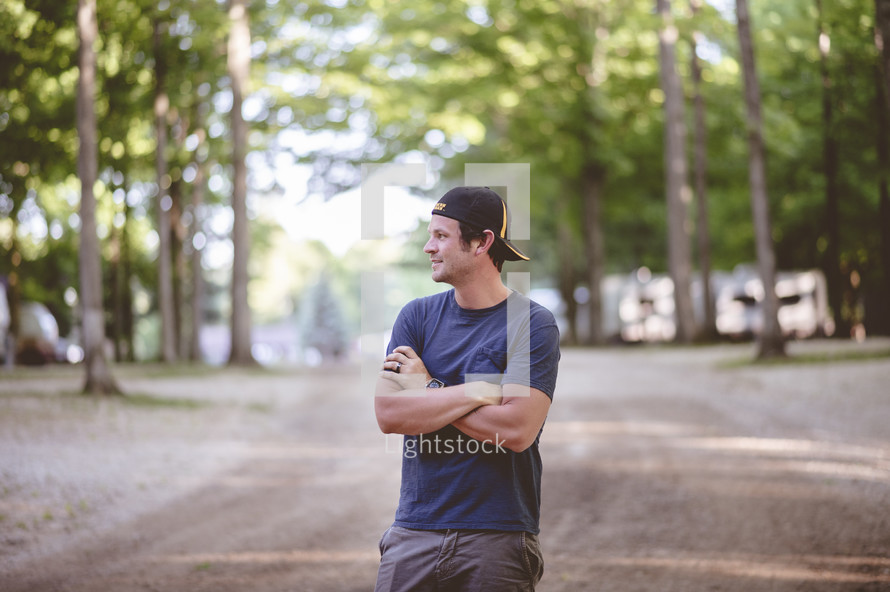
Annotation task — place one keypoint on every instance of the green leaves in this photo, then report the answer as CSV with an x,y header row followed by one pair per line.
x,y
561,84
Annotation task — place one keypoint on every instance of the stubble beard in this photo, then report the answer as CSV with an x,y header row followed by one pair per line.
x,y
451,273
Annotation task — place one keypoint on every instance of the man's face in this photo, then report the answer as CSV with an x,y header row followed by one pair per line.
x,y
451,260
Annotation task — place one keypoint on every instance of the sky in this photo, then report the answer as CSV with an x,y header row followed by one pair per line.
x,y
337,221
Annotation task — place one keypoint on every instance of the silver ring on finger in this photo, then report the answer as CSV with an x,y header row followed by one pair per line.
x,y
398,367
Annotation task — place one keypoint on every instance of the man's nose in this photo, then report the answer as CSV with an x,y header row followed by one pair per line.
x,y
428,247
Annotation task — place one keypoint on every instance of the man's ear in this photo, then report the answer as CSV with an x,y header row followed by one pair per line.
x,y
486,243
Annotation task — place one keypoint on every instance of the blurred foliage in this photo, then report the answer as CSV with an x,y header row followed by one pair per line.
x,y
561,84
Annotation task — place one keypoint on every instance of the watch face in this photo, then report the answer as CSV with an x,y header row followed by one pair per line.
x,y
435,383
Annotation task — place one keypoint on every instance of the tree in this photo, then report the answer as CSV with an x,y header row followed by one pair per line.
x,y
99,379
593,177
882,41
323,323
882,76
33,58
239,70
197,238
770,342
569,87
164,203
676,177
832,265
708,331
593,195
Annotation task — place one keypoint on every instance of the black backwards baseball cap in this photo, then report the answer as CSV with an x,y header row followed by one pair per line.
x,y
481,208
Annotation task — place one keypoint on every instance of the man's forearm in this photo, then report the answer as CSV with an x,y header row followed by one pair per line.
x,y
489,424
515,422
422,411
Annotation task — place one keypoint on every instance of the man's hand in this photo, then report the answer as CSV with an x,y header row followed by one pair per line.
x,y
403,382
404,405
404,367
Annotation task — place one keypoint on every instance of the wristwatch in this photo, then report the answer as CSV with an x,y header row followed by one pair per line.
x,y
435,383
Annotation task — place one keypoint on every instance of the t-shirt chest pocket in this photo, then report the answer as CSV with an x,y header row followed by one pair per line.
x,y
488,361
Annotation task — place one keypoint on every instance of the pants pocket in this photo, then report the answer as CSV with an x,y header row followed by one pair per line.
x,y
532,557
381,544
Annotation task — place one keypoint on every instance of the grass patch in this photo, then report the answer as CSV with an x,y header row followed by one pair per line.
x,y
36,394
153,402
260,408
811,358
75,372
122,370
198,370
62,371
158,370
143,400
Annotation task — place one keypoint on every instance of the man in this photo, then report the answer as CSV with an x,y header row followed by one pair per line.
x,y
468,379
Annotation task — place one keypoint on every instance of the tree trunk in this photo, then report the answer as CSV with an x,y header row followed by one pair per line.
x,y
117,302
197,304
99,379
126,287
14,290
165,279
591,65
882,41
832,261
239,67
676,171
593,179
566,270
196,236
177,235
882,73
708,330
882,324
770,342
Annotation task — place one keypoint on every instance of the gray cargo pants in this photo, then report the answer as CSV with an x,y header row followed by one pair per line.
x,y
458,561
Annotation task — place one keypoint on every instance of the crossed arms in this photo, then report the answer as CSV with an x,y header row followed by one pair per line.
x,y
513,413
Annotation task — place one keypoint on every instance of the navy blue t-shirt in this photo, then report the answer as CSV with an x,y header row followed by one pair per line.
x,y
450,480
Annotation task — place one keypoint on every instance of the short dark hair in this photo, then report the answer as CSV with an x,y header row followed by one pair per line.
x,y
470,233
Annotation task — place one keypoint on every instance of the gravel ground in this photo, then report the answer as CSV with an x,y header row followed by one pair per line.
x,y
670,469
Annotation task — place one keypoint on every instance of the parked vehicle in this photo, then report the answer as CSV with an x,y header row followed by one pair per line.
x,y
803,305
38,335
639,307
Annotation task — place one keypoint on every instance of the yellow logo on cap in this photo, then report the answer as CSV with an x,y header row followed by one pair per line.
x,y
439,206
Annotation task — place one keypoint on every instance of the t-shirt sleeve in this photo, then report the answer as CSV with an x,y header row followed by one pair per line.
x,y
533,353
406,329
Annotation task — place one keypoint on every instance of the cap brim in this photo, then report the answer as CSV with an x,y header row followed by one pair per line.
x,y
513,254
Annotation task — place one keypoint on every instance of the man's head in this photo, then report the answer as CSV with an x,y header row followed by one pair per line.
x,y
480,211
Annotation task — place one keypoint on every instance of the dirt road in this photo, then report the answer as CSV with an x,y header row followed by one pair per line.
x,y
665,470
